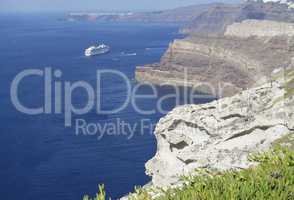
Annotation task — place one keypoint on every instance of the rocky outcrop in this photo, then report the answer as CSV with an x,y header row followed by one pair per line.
x,y
264,28
221,134
225,61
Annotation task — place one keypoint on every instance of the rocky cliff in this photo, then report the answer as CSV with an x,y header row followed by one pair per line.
x,y
263,28
215,20
250,62
222,65
251,65
221,134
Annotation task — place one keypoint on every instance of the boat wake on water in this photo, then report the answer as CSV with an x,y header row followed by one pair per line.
x,y
128,54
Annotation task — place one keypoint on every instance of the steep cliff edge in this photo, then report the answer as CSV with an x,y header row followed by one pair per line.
x,y
223,65
220,135
251,65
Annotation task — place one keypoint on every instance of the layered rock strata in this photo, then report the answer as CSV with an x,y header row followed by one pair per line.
x,y
265,28
221,65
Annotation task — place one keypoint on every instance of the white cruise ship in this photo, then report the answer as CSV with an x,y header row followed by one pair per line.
x,y
97,50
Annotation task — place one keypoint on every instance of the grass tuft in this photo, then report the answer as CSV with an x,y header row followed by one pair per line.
x,y
101,195
271,179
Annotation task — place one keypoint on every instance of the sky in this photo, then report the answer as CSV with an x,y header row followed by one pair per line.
x,y
95,5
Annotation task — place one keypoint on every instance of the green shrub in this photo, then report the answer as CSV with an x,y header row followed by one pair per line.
x,y
101,195
271,179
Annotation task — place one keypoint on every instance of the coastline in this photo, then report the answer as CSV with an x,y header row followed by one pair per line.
x,y
220,135
249,117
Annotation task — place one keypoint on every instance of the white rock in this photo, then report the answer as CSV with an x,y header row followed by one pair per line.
x,y
220,134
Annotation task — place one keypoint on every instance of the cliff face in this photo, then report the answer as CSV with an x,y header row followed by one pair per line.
x,y
263,28
220,135
229,48
221,65
215,20
249,60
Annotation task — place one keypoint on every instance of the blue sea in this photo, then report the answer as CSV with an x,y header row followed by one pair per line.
x,y
43,159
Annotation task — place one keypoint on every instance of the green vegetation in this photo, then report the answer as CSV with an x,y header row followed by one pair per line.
x,y
140,194
288,77
286,142
271,179
290,86
101,195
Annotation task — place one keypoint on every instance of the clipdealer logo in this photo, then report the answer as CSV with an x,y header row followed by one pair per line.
x,y
51,79
55,88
